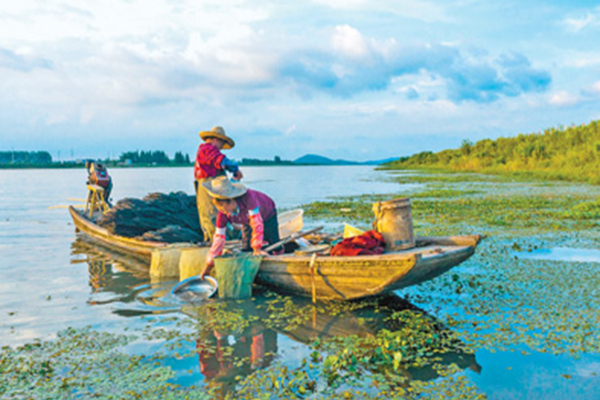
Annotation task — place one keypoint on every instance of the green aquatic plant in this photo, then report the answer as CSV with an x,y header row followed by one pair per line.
x,y
497,301
587,210
83,363
481,208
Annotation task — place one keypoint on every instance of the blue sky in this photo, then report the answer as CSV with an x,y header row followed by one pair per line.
x,y
350,79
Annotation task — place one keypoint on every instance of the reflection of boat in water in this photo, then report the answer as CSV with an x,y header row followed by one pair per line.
x,y
236,338
327,277
108,270
381,314
117,278
350,321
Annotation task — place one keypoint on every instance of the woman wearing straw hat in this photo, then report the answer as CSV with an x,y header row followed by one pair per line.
x,y
210,163
253,210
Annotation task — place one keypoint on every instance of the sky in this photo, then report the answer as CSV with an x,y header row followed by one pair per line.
x,y
349,79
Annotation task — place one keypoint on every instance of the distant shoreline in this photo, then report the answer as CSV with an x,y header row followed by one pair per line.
x,y
158,158
77,166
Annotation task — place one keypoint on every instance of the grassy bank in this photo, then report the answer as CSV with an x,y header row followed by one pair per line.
x,y
567,154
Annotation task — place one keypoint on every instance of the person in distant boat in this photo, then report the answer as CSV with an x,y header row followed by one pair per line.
x,y
98,175
211,163
253,210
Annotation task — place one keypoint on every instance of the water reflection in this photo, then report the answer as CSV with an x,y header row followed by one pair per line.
x,y
120,280
109,272
233,339
228,352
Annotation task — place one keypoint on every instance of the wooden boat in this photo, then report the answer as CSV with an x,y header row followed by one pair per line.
x,y
134,247
346,278
327,277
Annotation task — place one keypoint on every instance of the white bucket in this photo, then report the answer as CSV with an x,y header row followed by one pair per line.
x,y
290,222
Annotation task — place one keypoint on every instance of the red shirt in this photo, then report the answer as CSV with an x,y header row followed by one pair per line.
x,y
208,162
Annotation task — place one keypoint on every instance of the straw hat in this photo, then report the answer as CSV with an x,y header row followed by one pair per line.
x,y
222,188
219,133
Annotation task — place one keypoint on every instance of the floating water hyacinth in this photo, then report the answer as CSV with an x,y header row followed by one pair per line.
x,y
436,340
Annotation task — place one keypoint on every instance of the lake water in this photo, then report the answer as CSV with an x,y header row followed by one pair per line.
x,y
50,280
561,254
45,284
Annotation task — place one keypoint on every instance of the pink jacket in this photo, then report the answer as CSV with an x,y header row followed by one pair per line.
x,y
253,209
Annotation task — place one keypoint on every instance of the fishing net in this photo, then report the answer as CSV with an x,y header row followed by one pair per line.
x,y
169,218
236,274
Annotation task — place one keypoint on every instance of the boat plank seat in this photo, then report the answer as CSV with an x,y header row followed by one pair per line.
x,y
95,200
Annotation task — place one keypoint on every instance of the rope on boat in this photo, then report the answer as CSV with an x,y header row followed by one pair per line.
x,y
311,268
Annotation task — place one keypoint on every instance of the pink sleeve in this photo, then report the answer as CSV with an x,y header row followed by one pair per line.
x,y
218,243
217,247
258,228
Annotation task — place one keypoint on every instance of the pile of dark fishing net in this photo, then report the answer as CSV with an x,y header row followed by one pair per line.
x,y
157,217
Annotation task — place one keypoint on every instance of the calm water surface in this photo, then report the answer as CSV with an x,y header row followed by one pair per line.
x,y
561,254
47,281
50,280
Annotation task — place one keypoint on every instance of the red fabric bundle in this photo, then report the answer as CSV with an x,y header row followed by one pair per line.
x,y
370,242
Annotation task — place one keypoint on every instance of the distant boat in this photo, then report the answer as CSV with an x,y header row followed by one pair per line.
x,y
325,277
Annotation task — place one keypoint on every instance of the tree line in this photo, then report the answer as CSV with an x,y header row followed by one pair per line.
x,y
154,157
571,153
25,157
43,159
33,159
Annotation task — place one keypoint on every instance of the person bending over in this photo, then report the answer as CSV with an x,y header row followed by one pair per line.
x,y
253,210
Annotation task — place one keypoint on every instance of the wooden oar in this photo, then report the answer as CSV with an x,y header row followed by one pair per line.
x,y
294,236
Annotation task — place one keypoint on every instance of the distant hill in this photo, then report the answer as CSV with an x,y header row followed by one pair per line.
x,y
314,159
571,154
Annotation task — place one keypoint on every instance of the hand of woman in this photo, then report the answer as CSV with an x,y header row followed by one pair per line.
x,y
238,175
207,269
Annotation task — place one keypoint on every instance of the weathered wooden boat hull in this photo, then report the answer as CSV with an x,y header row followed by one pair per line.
x,y
329,278
133,247
346,278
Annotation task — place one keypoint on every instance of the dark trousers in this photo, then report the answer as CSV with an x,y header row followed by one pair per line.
x,y
271,233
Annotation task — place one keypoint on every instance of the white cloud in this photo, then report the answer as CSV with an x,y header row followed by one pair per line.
x,y
591,19
563,99
582,60
577,24
415,9
158,64
111,19
349,41
595,88
291,129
